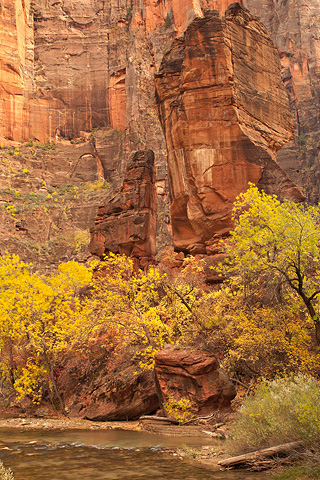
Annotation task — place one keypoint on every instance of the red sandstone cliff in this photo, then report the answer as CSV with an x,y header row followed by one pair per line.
x,y
71,66
294,28
225,113
16,64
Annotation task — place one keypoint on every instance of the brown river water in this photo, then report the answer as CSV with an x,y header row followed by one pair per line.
x,y
102,455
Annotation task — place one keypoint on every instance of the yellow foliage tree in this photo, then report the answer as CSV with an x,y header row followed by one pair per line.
x,y
41,314
148,308
274,252
261,341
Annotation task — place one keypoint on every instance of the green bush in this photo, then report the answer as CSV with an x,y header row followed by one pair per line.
x,y
5,473
280,411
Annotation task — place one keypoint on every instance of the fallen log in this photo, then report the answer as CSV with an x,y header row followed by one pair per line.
x,y
252,456
159,419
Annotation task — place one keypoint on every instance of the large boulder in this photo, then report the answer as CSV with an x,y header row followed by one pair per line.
x,y
123,399
108,388
193,374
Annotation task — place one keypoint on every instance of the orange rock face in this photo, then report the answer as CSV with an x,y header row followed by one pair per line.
x,y
15,38
294,28
180,12
225,113
69,66
117,100
127,223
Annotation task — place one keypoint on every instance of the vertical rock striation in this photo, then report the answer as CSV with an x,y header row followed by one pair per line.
x,y
225,114
16,64
294,27
91,63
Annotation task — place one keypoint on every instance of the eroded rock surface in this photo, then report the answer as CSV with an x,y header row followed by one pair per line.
x,y
127,223
122,401
195,375
294,27
225,114
69,66
16,65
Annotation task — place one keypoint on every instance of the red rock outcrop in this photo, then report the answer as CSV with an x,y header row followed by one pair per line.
x,y
127,223
108,388
294,28
225,113
195,375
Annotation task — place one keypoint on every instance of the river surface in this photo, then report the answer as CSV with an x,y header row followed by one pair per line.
x,y
102,455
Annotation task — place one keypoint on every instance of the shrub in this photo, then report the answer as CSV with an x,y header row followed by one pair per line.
x,y
306,471
129,14
281,411
180,410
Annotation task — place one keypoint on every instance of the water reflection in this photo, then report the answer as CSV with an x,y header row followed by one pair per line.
x,y
101,455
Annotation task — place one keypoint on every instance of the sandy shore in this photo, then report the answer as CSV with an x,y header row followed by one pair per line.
x,y
66,424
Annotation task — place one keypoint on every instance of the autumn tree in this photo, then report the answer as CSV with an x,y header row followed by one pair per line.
x,y
274,254
150,308
38,317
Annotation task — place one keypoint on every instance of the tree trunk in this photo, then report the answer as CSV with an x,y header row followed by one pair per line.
x,y
308,303
317,328
54,385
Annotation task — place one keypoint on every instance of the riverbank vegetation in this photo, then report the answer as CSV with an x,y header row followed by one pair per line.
x,y
281,411
261,323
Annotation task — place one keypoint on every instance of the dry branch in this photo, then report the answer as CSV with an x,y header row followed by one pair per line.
x,y
256,455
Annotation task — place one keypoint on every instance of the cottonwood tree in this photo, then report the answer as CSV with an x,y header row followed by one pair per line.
x,y
148,308
274,252
39,315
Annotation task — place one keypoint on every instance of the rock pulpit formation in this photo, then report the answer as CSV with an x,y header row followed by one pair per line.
x,y
224,112
127,223
193,374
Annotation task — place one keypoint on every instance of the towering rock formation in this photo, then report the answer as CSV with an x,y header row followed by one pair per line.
x,y
294,27
225,113
127,223
70,66
79,65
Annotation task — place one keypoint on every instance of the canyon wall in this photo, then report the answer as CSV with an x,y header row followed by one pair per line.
x,y
90,63
16,66
68,67
294,27
225,114
75,66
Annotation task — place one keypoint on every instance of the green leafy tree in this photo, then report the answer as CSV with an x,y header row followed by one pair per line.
x,y
274,254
